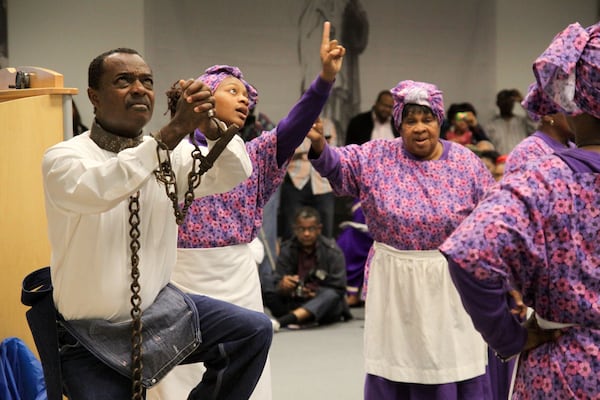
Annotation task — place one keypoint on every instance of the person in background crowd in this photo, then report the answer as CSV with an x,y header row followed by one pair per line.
x,y
310,276
507,129
377,123
462,125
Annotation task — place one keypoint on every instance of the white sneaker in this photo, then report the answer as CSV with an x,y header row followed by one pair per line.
x,y
276,325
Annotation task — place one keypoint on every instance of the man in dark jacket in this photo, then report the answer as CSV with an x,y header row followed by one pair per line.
x,y
376,123
310,276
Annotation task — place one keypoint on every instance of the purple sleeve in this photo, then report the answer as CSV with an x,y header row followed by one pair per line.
x,y
292,129
487,304
327,164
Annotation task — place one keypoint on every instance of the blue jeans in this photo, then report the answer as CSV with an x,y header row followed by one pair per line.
x,y
234,348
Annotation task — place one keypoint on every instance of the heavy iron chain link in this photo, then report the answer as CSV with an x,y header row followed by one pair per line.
x,y
136,300
165,174
200,165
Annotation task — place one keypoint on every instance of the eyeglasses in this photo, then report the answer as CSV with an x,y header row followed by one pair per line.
x,y
302,229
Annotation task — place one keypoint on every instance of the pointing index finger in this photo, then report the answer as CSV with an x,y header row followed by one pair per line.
x,y
326,29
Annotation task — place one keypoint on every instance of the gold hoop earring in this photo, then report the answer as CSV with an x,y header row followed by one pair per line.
x,y
551,122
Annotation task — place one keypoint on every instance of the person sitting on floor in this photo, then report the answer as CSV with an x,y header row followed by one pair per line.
x,y
310,276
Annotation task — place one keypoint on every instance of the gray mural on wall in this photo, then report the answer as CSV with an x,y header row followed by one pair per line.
x,y
350,26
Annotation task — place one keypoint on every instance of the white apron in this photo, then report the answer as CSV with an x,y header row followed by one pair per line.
x,y
224,273
416,329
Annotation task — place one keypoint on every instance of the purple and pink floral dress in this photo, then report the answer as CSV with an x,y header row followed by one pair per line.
x,y
538,231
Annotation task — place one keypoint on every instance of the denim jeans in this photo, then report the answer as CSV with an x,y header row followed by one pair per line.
x,y
234,348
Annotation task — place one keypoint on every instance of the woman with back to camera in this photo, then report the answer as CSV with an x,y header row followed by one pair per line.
x,y
537,231
414,191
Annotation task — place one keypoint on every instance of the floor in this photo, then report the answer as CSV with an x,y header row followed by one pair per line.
x,y
321,363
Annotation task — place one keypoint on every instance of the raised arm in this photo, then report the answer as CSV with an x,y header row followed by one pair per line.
x,y
292,129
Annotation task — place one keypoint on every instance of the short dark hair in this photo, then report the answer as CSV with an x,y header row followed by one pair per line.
x,y
96,68
383,93
307,212
506,94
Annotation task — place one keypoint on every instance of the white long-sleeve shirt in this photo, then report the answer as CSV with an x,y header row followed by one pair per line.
x,y
87,192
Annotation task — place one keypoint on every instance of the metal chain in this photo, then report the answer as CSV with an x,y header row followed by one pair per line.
x,y
136,300
164,174
200,164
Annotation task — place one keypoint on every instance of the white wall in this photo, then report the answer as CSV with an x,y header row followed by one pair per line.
x,y
523,31
469,48
65,35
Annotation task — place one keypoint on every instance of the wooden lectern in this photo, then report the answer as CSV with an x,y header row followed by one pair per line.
x,y
31,120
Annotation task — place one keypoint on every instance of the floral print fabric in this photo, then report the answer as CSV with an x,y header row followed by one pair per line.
x,y
538,230
411,204
567,74
236,216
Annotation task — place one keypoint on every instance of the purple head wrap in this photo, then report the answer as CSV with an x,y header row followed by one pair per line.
x,y
538,101
567,74
422,93
214,75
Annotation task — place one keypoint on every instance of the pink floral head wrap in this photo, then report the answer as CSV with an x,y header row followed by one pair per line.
x,y
421,93
214,75
567,74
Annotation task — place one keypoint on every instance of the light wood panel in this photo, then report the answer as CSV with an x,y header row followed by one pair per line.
x,y
27,127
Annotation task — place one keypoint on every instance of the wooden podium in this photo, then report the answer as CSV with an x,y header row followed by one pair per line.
x,y
31,120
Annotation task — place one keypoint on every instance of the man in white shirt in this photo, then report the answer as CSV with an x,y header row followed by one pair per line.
x,y
114,239
506,130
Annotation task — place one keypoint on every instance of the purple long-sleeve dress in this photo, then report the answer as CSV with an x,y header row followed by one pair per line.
x,y
537,145
411,206
538,231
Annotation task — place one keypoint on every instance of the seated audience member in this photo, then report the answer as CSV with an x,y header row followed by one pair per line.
x,y
310,277
463,126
